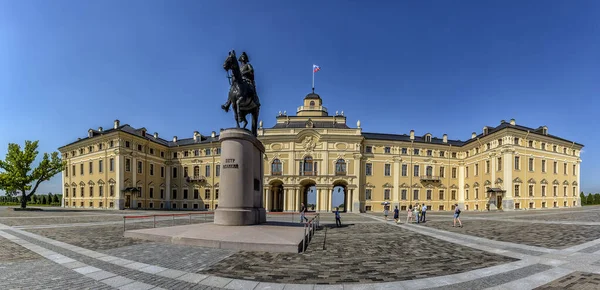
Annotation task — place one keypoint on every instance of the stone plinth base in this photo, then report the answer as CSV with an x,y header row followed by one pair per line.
x,y
267,237
241,184
508,204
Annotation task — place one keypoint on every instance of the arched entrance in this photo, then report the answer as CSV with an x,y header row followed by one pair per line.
x,y
339,196
308,194
275,196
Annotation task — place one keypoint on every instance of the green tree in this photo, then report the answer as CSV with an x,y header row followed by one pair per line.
x,y
34,199
583,198
16,174
56,199
49,199
44,200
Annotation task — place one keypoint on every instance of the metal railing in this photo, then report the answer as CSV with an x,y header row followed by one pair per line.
x,y
430,177
309,230
164,217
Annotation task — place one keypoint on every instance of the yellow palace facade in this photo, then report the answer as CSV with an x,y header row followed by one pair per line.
x,y
313,156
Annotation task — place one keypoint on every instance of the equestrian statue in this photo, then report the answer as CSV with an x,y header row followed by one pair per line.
x,y
242,94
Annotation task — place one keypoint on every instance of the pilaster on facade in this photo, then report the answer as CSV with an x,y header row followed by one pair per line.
x,y
461,185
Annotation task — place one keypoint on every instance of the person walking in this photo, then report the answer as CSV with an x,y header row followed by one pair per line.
x,y
396,214
338,221
409,216
423,211
302,213
386,210
416,212
456,216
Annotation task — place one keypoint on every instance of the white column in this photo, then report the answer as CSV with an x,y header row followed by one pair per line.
x,y
134,182
348,208
508,178
355,199
329,199
577,197
318,201
120,199
286,192
296,199
493,169
168,186
396,174
461,185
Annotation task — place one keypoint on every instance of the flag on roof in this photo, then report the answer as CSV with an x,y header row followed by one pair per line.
x,y
316,68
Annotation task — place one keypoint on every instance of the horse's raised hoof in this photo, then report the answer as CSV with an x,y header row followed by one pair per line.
x,y
226,109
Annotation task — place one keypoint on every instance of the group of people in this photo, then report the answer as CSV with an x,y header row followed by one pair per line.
x,y
418,213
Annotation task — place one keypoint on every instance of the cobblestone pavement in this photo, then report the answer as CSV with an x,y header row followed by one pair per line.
x,y
577,280
496,254
358,253
553,236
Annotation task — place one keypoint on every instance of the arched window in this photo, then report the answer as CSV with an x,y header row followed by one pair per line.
x,y
429,171
312,103
340,167
308,166
196,171
276,168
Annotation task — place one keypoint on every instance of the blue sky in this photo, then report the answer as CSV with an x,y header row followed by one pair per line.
x,y
431,66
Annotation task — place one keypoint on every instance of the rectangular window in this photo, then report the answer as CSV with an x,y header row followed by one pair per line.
x,y
487,166
139,167
543,190
530,143
140,192
81,168
218,170
196,152
73,169
207,152
368,194
111,188
185,194
186,153
111,164
174,172
174,194
151,169
516,141
441,195
387,150
100,166
442,172
467,171
555,190
368,169
442,153
369,149
416,170
152,151
416,151
517,165
151,192
531,190
404,151
454,194
416,194
216,193
196,193
207,194
162,171
453,154
565,168
476,193
403,194
404,170
66,192
530,164
466,194
574,169
100,190
517,189
91,191
174,155
218,151
429,152
453,172
207,171
499,164
387,170
555,167
564,190
476,172
386,194
127,164
186,172
574,191
162,193
544,166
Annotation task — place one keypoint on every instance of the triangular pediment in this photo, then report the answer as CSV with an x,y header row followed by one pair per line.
x,y
429,185
441,186
100,181
476,184
417,185
151,183
75,184
404,185
453,186
467,186
111,181
556,182
517,180
388,185
174,185
499,180
565,182
531,180
369,185
487,182
81,183
574,182
66,184
217,184
162,185
544,181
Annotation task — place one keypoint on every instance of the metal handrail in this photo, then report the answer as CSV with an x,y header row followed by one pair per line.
x,y
309,230
173,215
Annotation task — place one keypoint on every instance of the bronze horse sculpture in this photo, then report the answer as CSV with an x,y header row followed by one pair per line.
x,y
242,95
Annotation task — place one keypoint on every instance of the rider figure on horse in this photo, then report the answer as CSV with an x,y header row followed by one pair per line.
x,y
248,77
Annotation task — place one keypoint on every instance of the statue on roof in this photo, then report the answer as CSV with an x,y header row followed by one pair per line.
x,y
242,93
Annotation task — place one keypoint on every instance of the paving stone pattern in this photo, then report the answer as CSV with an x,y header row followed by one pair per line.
x,y
43,274
10,252
158,281
93,238
555,236
358,253
178,257
577,280
60,220
574,216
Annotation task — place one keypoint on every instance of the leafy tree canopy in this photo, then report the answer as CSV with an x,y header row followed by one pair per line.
x,y
17,175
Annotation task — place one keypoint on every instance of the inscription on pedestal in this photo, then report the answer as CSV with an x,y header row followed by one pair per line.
x,y
230,163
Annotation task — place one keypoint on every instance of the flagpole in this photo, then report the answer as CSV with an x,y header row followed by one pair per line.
x,y
313,80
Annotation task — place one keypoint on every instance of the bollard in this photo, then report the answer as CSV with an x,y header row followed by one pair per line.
x,y
154,217
123,224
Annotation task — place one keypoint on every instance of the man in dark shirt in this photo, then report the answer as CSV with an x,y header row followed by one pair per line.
x,y
338,221
302,213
